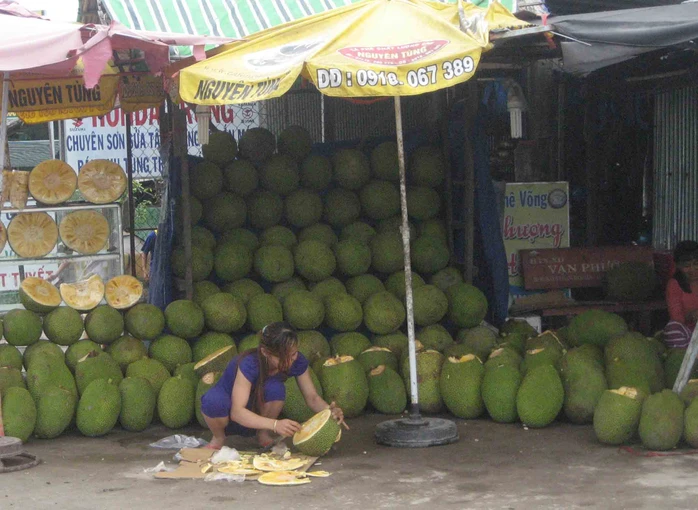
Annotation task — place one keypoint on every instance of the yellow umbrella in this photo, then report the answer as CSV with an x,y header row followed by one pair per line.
x,y
371,48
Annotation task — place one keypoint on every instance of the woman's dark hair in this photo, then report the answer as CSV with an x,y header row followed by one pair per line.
x,y
278,338
685,251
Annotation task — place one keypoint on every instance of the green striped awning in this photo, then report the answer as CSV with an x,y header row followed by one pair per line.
x,y
226,18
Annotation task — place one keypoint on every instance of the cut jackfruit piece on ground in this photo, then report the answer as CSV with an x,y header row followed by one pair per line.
x,y
85,295
283,478
32,234
123,292
86,232
101,181
52,182
265,463
38,295
237,470
317,435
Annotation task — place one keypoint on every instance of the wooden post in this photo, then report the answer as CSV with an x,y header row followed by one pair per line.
x,y
469,178
181,149
131,204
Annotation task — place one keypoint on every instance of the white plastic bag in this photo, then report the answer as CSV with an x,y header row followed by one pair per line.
x,y
160,467
225,454
179,441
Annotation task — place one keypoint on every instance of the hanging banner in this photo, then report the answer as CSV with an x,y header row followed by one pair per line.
x,y
536,216
104,137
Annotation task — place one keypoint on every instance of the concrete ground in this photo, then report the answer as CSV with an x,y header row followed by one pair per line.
x,y
493,466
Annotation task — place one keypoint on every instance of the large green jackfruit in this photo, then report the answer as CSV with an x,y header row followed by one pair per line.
x,y
342,207
262,310
232,261
185,318
138,401
176,402
383,313
467,305
396,342
446,277
245,289
540,397
280,175
18,413
225,313
201,262
537,357
364,286
21,327
631,360
303,208
99,408
303,310
210,342
376,356
79,350
314,260
353,257
503,356
460,385
63,326
386,252
225,211
349,344
284,289
145,321
150,369
240,177
584,382
104,325
428,379
430,254
313,345
171,351
430,305
351,168
617,415
319,232
690,424
595,327
500,385
295,407
387,392
264,209
358,231
257,145
344,382
480,339
126,350
380,200
221,148
661,421
435,337
10,378
204,289
343,312
55,408
93,367
274,263
205,180
10,356
43,351
42,376
316,172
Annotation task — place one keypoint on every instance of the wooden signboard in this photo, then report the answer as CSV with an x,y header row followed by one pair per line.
x,y
577,267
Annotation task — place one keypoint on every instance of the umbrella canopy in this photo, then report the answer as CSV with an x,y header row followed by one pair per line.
x,y
370,48
58,70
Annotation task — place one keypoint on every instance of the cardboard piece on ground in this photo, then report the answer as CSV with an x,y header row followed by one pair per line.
x,y
193,458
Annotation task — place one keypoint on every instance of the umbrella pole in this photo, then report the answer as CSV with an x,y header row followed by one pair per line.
x,y
413,431
414,389
3,127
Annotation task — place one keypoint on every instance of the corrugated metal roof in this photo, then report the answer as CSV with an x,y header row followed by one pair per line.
x,y
28,154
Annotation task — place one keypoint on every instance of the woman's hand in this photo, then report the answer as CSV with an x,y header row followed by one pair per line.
x,y
287,428
338,414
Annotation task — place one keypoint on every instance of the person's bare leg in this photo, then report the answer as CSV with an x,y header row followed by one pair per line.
x,y
269,410
217,427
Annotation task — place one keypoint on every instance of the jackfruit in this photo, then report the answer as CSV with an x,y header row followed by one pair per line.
x,y
21,327
38,295
262,310
316,437
145,321
18,413
126,350
429,365
187,372
383,313
240,236
430,305
210,342
257,144
279,234
225,211
380,200
430,254
617,415
171,351
221,148
284,289
661,421
500,386
435,337
225,313
32,235
185,318
303,208
358,231
55,408
85,295
150,369
386,252
460,386
303,310
240,177
480,339
93,367
422,203
295,407
595,327
584,383
690,424
176,403
85,232
202,290
78,351
376,356
540,396
274,263
314,260
341,207
386,391
205,180
201,263
122,292
138,401
10,378
343,312
10,356
446,277
351,168
397,342
264,209
43,351
395,284
280,175
52,182
467,305
327,288
313,345
103,325
319,232
344,382
364,286
503,356
99,408
101,181
295,142
316,172
244,288
349,344
384,162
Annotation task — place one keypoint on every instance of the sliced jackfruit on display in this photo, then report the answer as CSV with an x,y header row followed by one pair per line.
x,y
85,232
283,478
123,292
38,295
85,295
101,181
32,235
52,182
266,463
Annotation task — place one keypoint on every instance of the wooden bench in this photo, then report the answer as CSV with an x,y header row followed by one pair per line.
x,y
570,268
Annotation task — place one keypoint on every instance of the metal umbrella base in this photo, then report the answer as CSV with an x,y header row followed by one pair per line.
x,y
416,432
13,457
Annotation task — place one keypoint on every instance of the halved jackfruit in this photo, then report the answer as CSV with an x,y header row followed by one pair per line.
x,y
32,234
83,296
101,181
85,232
3,236
283,478
38,295
52,182
123,292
